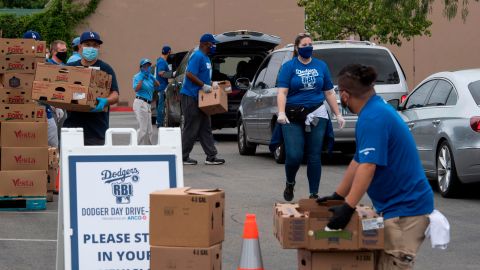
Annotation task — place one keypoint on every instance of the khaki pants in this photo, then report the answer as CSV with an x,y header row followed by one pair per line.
x,y
403,237
143,113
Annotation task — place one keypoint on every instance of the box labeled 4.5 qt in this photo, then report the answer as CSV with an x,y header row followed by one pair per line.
x,y
186,217
309,260
186,258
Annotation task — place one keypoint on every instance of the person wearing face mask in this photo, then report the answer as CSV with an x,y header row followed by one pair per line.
x,y
163,73
304,84
197,123
96,122
387,166
76,55
58,50
144,84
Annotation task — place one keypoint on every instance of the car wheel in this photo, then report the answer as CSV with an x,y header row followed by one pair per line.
x,y
279,154
447,178
244,147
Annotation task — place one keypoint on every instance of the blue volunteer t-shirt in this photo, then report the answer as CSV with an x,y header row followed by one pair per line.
x,y
399,187
148,85
162,65
94,124
306,83
200,66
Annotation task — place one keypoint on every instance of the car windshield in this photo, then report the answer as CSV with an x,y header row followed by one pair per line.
x,y
380,59
474,88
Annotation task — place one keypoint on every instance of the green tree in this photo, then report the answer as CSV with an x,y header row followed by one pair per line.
x,y
32,4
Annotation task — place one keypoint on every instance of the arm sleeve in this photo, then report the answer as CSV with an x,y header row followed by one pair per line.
x,y
284,76
327,79
136,79
372,143
194,64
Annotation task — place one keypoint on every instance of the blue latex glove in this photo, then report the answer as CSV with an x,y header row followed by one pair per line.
x,y
102,102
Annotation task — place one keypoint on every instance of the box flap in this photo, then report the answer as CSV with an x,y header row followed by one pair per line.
x,y
288,210
206,192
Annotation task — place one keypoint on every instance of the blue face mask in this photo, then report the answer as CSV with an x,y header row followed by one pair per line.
x,y
147,70
305,52
213,49
90,53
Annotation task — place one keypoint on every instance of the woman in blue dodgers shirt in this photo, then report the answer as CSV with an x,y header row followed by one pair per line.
x,y
304,84
387,166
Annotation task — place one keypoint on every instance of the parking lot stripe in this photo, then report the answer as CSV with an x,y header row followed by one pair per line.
x,y
27,240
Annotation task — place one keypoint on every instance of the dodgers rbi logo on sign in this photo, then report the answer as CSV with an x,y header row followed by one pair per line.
x,y
121,182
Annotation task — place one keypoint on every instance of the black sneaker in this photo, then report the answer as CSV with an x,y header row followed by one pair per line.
x,y
288,193
313,196
214,161
189,161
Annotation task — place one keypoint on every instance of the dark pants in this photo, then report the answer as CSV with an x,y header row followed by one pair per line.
x,y
196,125
297,141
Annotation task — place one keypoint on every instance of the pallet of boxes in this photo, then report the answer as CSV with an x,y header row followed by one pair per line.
x,y
53,170
302,226
187,229
23,135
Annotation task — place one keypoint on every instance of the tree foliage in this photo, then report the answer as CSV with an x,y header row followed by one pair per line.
x,y
31,4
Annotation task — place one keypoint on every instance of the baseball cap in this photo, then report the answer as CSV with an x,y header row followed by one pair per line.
x,y
30,34
166,49
76,41
207,37
90,36
144,61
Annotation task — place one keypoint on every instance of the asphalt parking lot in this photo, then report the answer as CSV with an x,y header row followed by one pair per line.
x,y
252,185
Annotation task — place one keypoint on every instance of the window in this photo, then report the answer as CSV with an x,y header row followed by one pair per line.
x,y
259,84
228,65
273,69
418,97
182,67
380,59
474,88
452,98
440,94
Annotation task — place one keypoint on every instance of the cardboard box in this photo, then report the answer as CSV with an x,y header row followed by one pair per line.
x,y
17,81
53,158
13,96
186,217
88,77
186,258
22,113
25,47
23,183
24,134
308,260
52,178
216,101
303,226
71,97
20,64
24,158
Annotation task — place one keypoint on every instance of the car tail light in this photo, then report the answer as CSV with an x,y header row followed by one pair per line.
x,y
475,123
403,99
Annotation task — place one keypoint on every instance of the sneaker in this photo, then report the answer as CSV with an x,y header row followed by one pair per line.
x,y
288,193
313,196
189,161
214,161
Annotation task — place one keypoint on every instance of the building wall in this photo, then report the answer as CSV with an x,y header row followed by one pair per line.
x,y
453,45
135,29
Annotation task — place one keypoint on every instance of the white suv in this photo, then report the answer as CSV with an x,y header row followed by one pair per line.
x,y
257,111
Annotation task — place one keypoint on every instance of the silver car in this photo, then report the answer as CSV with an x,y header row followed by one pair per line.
x,y
443,114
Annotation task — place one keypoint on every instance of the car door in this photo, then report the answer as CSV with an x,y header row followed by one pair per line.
x,y
413,113
250,102
435,113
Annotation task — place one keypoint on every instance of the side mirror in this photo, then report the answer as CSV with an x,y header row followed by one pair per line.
x,y
395,103
242,83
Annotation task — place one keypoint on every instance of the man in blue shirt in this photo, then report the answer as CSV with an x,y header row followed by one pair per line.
x,y
76,55
163,73
58,50
197,123
386,166
96,122
144,84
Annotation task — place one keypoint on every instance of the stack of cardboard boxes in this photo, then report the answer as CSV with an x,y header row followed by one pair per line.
x,y
302,226
53,167
23,136
186,229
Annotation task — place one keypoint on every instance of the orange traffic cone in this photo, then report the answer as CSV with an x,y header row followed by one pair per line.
x,y
251,255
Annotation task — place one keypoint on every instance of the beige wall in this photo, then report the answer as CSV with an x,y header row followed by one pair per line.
x,y
132,29
453,45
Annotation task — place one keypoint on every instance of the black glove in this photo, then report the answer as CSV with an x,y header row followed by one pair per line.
x,y
341,216
333,197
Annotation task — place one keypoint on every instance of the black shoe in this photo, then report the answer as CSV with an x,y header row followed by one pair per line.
x,y
288,193
214,161
313,196
189,161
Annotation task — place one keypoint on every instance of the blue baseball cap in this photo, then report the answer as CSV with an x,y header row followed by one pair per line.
x,y
145,61
86,36
76,41
208,38
166,49
30,34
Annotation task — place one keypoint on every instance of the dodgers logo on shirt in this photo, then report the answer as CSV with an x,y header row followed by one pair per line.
x,y
367,151
308,78
209,66
121,181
